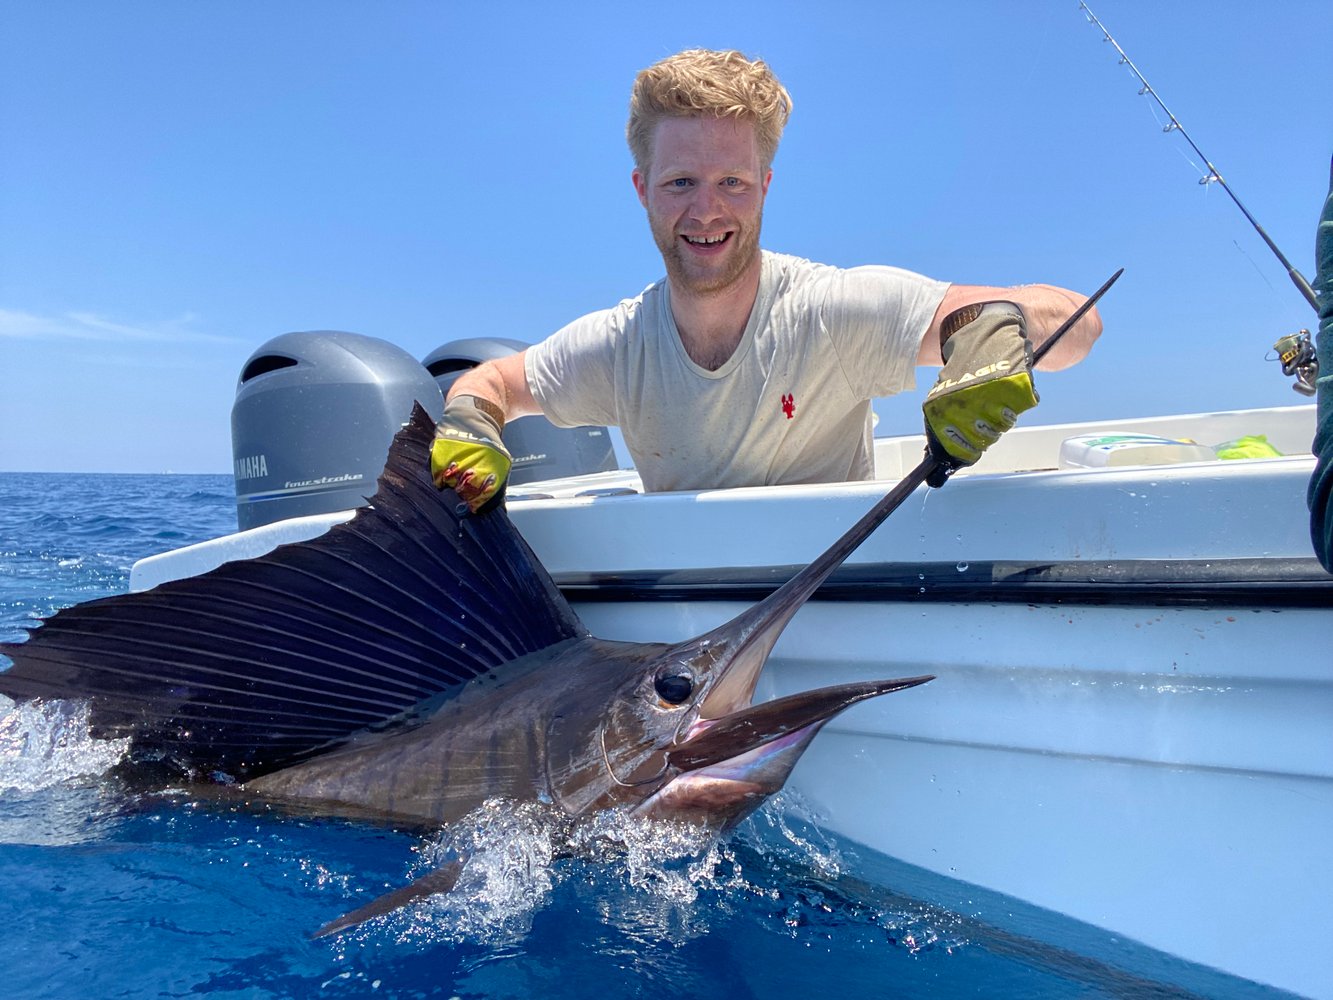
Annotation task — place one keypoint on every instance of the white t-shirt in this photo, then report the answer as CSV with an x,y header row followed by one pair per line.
x,y
791,405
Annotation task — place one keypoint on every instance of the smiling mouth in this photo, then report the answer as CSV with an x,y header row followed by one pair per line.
x,y
707,241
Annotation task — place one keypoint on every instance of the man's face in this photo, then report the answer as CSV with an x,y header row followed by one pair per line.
x,y
704,192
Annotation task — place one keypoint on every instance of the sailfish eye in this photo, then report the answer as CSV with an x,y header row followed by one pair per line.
x,y
673,687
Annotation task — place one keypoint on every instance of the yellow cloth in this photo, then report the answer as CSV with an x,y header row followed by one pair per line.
x,y
1250,446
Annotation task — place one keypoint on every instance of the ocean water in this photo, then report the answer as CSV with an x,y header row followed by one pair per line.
x,y
107,893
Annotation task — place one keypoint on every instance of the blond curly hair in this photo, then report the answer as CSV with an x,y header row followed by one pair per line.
x,y
699,82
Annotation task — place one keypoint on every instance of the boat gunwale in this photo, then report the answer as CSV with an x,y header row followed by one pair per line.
x,y
1262,582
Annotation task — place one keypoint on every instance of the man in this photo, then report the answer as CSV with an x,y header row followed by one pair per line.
x,y
746,367
1321,483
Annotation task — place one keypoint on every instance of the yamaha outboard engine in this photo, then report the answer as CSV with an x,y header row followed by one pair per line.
x,y
540,449
313,418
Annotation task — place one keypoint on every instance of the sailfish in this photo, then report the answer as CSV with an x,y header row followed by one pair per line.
x,y
416,661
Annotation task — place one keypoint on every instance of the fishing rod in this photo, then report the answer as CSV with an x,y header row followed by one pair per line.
x,y
1295,351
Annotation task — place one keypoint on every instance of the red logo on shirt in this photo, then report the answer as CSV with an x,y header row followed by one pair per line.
x,y
788,405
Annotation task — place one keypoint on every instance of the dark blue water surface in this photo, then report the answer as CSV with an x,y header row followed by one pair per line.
x,y
105,893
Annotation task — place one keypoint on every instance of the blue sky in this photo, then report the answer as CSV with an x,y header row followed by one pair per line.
x,y
181,182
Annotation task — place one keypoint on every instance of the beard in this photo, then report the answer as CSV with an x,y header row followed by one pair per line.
x,y
709,278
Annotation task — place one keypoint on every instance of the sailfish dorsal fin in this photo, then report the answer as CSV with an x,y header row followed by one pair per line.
x,y
264,661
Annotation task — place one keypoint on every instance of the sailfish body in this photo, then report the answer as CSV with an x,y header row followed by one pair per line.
x,y
413,662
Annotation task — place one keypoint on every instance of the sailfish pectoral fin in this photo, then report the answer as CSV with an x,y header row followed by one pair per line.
x,y
438,881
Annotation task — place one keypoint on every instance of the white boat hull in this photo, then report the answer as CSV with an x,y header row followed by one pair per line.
x,y
1145,743
1165,774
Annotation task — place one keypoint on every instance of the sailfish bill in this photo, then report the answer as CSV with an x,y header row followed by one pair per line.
x,y
411,663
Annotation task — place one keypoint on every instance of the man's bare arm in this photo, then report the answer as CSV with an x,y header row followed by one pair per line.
x,y
503,382
1045,307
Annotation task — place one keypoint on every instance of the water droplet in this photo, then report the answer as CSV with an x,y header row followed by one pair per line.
x,y
961,567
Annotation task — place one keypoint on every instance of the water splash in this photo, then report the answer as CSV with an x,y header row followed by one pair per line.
x,y
656,871
672,862
510,850
51,773
43,744
789,829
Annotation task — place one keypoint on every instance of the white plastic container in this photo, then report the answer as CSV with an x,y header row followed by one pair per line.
x,y
1096,451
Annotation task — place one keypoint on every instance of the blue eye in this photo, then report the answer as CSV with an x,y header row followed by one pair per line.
x,y
680,182
732,181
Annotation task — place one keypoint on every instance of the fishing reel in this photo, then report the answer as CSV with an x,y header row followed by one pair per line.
x,y
1297,354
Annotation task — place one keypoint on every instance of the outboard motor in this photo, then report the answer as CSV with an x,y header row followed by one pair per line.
x,y
540,449
313,419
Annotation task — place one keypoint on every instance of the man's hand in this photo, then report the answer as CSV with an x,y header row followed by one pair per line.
x,y
985,384
468,453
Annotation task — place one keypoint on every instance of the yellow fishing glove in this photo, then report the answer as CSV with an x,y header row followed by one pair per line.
x,y
468,453
985,384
